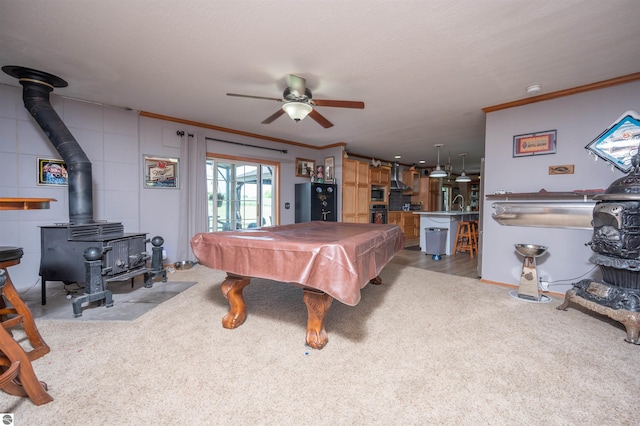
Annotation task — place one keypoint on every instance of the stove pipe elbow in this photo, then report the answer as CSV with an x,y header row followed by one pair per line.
x,y
36,88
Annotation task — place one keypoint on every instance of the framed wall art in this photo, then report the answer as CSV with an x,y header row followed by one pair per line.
x,y
304,167
52,172
538,143
619,142
329,170
160,172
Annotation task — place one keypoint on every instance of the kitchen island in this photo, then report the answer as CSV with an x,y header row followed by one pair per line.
x,y
443,219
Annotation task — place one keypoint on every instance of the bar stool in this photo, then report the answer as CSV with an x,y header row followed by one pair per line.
x,y
474,233
465,238
24,381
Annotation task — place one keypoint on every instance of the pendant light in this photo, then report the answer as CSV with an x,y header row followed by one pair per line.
x,y
438,172
463,176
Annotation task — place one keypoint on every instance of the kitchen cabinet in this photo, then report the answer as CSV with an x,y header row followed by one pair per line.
x,y
411,178
394,218
380,175
429,190
409,223
355,191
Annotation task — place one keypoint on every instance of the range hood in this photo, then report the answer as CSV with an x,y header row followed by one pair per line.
x,y
396,184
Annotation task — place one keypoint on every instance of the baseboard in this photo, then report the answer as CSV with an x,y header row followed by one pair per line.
x,y
551,293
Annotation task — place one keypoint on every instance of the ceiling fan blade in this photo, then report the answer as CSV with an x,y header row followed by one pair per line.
x,y
338,104
320,119
255,97
297,85
273,116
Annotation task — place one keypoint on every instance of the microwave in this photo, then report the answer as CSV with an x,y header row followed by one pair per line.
x,y
377,193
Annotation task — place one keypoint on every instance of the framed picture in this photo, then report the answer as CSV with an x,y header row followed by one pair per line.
x,y
618,143
538,143
304,167
52,172
160,172
329,170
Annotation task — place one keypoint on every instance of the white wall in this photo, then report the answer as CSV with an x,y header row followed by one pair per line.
x,y
578,120
159,207
115,140
109,137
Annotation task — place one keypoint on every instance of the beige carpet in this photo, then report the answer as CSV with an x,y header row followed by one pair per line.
x,y
424,348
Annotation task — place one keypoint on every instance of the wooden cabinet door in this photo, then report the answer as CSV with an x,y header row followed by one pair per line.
x,y
349,202
356,193
394,218
363,197
374,175
408,225
380,175
385,176
349,171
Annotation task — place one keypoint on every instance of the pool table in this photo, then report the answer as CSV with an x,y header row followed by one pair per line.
x,y
329,260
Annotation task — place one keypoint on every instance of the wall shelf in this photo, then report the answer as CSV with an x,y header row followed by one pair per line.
x,y
25,203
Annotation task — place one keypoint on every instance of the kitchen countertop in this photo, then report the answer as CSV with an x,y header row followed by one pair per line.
x,y
445,213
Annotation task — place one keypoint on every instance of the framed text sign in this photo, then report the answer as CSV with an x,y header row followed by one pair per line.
x,y
538,143
160,172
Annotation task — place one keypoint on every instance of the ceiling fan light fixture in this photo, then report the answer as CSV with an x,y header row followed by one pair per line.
x,y
297,110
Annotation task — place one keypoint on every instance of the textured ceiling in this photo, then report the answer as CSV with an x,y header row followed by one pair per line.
x,y
424,69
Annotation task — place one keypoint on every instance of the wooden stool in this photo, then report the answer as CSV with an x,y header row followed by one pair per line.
x,y
24,381
474,233
464,238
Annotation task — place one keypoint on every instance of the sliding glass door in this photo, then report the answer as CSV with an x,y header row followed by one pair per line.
x,y
241,194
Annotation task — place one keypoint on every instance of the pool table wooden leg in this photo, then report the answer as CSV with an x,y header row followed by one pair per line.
x,y
318,304
232,290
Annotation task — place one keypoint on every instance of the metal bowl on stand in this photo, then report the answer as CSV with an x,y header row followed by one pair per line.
x,y
184,265
531,250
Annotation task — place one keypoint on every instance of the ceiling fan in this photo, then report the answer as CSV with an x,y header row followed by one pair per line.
x,y
298,103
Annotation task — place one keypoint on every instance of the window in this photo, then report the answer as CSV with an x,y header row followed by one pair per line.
x,y
241,194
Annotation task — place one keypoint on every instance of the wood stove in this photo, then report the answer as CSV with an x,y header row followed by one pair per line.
x,y
82,250
616,246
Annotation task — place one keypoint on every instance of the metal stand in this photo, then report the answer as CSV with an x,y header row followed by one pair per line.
x,y
528,288
96,283
156,263
96,286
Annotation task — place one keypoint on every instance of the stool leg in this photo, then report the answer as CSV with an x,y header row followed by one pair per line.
x,y
26,383
40,348
458,244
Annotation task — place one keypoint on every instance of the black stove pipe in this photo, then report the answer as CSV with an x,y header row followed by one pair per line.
x,y
36,88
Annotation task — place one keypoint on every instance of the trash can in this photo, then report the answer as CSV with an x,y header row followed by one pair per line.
x,y
436,242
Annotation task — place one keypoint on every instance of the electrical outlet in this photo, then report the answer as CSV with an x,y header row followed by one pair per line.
x,y
544,285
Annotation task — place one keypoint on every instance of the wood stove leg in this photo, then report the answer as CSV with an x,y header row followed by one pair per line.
x,y
633,330
630,320
232,290
40,348
318,304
